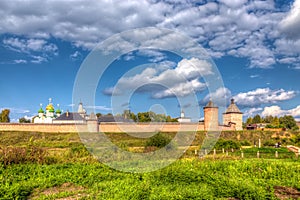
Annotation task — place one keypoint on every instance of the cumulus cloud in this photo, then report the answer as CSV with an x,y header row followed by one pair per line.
x,y
240,28
153,55
278,111
220,97
28,45
37,50
290,25
263,96
163,82
252,111
234,3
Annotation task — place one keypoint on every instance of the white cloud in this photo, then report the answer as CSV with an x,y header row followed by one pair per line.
x,y
181,89
16,110
239,28
111,91
28,117
193,68
20,61
38,59
76,55
220,97
38,50
263,96
290,25
234,3
163,82
288,60
273,110
104,108
153,55
252,111
28,45
278,111
254,76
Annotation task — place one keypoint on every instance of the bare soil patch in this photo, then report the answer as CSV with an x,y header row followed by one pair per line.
x,y
76,192
283,192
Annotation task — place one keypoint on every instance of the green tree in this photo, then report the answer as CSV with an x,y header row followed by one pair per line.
x,y
170,119
98,115
4,117
268,119
24,120
256,119
249,120
144,117
133,116
288,122
275,122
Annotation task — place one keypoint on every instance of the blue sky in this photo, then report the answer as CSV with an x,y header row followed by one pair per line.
x,y
254,44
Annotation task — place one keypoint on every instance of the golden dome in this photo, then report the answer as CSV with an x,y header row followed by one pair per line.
x,y
50,107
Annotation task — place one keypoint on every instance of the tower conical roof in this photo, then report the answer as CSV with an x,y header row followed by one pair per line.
x,y
232,108
210,104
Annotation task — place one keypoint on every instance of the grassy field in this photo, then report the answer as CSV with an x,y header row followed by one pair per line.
x,y
57,166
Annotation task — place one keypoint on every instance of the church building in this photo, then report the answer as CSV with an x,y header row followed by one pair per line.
x,y
48,116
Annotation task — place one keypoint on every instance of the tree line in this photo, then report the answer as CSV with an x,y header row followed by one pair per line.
x,y
143,116
286,121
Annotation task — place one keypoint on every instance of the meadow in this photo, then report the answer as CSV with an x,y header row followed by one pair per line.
x,y
58,166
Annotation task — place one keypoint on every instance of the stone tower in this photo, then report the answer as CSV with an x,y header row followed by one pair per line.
x,y
211,117
92,123
233,116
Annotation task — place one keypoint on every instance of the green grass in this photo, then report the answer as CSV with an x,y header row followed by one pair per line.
x,y
242,179
63,160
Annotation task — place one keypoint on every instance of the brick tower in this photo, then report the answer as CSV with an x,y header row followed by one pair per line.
x,y
211,117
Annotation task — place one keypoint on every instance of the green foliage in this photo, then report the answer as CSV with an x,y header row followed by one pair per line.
x,y
158,140
28,174
17,155
239,179
153,117
4,116
296,139
269,143
249,120
245,143
227,144
98,115
256,119
24,120
288,122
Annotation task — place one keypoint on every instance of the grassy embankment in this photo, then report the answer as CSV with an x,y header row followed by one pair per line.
x,y
56,165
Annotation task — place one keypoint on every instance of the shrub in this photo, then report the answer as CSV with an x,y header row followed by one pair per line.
x,y
245,143
269,143
159,140
18,155
227,144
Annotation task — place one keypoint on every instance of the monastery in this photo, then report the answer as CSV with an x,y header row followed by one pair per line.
x,y
54,120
